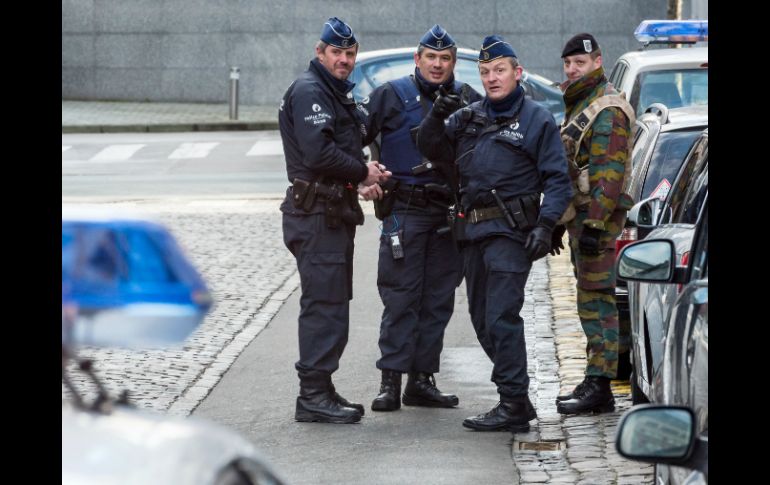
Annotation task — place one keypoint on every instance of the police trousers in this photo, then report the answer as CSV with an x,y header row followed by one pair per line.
x,y
325,262
417,290
496,272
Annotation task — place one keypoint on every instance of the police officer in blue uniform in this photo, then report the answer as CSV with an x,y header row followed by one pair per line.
x,y
322,141
419,266
508,152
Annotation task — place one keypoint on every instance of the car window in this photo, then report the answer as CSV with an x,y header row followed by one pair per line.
x,y
699,255
616,78
690,188
377,73
640,142
467,71
674,88
667,156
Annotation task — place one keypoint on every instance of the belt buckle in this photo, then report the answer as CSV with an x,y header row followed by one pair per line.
x,y
473,217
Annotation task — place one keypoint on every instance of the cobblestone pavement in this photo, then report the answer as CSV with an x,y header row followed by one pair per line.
x,y
566,449
238,247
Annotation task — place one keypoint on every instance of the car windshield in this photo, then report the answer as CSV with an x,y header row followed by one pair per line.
x,y
375,73
667,158
674,88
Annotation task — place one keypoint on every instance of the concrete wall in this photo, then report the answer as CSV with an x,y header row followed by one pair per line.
x,y
182,50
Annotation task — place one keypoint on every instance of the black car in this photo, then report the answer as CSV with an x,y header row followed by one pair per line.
x,y
662,138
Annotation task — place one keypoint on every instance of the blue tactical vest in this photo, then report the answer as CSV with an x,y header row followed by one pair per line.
x,y
398,151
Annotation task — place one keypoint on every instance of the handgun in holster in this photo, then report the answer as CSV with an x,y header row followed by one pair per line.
x,y
383,207
332,193
457,221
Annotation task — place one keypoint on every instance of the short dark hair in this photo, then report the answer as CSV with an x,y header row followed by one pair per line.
x,y
321,45
453,50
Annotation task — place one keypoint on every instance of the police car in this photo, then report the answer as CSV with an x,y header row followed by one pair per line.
x,y
672,76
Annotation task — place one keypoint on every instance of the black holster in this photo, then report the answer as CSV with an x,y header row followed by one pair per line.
x,y
525,210
351,209
384,207
303,194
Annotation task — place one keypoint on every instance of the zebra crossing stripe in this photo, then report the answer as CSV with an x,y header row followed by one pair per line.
x,y
193,150
266,147
117,152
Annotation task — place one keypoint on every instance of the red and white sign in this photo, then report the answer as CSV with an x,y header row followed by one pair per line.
x,y
661,191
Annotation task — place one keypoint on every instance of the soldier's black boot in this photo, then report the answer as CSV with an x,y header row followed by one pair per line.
x,y
575,392
389,398
421,390
595,397
343,401
510,414
317,404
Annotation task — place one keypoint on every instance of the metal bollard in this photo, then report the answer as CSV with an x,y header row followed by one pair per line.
x,y
234,76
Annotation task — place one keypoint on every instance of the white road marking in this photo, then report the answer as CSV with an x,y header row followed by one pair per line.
x,y
193,150
266,147
64,148
117,152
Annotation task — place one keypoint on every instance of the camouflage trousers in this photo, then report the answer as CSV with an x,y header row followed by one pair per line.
x,y
596,303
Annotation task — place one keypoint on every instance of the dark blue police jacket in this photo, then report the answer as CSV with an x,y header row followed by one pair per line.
x,y
521,154
321,131
393,109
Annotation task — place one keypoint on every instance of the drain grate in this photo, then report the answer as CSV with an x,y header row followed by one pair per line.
x,y
541,445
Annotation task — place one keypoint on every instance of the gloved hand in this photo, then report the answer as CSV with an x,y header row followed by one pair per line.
x,y
445,104
538,242
556,239
589,241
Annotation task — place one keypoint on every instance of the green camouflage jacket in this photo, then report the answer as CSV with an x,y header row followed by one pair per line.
x,y
605,147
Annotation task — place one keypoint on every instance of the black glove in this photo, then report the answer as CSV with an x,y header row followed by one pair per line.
x,y
445,104
589,241
556,237
538,242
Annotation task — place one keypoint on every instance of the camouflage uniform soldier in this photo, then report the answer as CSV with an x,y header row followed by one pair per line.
x,y
600,203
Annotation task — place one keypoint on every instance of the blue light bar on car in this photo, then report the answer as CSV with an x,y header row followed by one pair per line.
x,y
672,31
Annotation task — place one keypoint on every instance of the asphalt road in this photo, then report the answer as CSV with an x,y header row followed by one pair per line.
x,y
256,397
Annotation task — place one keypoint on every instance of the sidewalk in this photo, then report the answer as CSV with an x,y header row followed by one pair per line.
x,y
126,117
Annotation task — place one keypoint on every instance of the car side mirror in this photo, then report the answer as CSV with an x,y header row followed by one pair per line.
x,y
644,215
649,260
662,434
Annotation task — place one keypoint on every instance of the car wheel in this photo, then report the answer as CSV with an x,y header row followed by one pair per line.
x,y
637,396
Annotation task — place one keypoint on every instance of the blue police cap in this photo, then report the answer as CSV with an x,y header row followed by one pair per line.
x,y
494,47
437,38
338,33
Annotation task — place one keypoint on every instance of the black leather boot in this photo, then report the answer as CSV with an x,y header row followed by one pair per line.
x,y
575,392
595,397
389,398
510,414
421,390
317,404
343,401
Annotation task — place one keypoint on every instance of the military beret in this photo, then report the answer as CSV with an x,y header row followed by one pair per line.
x,y
437,38
338,33
494,47
580,44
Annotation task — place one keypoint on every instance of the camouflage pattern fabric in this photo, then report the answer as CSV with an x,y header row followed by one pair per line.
x,y
604,149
